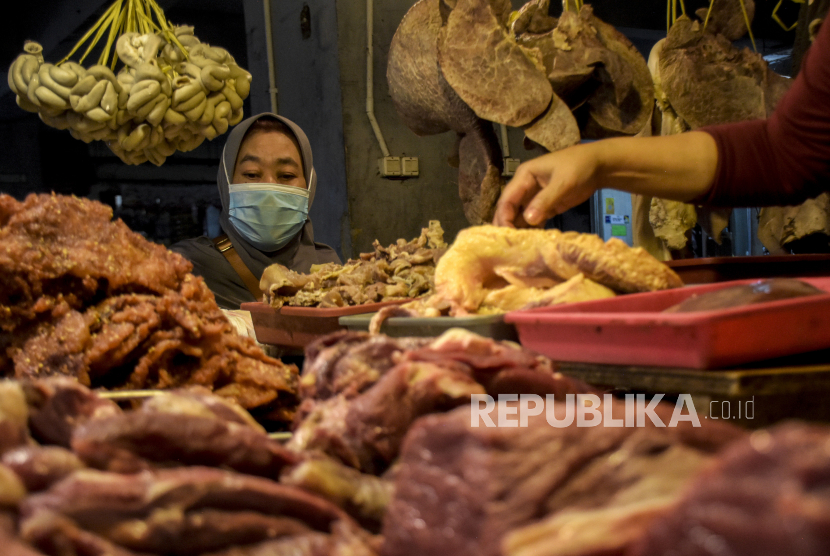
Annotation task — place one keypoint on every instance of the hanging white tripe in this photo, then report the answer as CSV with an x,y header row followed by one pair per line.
x,y
171,93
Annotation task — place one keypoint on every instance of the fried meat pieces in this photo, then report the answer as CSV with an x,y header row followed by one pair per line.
x,y
58,248
82,295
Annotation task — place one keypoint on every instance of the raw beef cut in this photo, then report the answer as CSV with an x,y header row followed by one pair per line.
x,y
58,405
133,441
467,490
767,494
41,466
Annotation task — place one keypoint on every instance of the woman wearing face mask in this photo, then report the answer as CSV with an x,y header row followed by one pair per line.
x,y
266,184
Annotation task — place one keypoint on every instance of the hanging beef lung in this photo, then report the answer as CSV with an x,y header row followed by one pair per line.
x,y
708,81
479,172
624,100
571,54
727,18
500,80
428,104
556,128
533,18
597,72
423,98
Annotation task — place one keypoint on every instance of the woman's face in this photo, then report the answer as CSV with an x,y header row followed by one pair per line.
x,y
269,157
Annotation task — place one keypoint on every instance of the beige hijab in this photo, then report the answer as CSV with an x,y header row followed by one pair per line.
x,y
298,254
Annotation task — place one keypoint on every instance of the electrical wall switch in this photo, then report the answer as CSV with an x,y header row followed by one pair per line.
x,y
409,166
510,165
390,166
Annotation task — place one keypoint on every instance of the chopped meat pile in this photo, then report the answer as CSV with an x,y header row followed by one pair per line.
x,y
403,270
82,295
188,473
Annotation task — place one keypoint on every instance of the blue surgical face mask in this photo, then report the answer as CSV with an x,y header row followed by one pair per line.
x,y
268,215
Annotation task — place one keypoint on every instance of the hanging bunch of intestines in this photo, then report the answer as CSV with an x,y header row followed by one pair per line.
x,y
171,92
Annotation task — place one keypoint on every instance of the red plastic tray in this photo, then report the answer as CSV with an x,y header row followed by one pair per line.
x,y
632,330
299,326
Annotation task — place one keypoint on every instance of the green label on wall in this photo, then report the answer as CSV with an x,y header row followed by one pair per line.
x,y
618,230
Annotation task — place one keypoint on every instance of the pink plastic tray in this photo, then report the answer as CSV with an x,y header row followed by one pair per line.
x,y
299,326
632,330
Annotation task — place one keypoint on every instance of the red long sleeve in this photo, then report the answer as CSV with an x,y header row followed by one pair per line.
x,y
784,159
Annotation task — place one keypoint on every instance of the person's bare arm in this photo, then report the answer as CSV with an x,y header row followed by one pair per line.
x,y
679,167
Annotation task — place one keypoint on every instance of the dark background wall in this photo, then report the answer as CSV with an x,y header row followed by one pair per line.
x,y
320,60
309,92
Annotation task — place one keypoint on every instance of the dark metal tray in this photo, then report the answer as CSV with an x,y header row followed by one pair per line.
x,y
491,326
